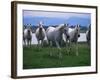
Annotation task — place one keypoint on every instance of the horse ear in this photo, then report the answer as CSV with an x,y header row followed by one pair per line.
x,y
78,25
89,26
67,24
64,24
40,23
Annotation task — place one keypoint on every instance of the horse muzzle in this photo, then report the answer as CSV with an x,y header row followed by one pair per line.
x,y
68,37
40,28
78,35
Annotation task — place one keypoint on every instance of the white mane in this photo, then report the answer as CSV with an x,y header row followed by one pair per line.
x,y
60,26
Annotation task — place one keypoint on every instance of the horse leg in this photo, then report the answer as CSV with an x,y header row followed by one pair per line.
x,y
59,49
24,41
70,47
27,42
42,43
76,48
38,43
51,46
30,43
67,46
57,44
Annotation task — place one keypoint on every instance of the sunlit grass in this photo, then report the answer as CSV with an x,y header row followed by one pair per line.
x,y
39,57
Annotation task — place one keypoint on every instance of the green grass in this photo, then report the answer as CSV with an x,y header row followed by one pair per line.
x,y
34,57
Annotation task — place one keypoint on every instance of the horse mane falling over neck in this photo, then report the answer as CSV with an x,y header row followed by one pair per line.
x,y
61,28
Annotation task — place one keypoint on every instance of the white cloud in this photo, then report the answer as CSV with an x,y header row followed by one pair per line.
x,y
66,15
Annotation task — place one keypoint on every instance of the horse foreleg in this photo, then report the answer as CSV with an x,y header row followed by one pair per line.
x,y
57,44
38,43
42,43
76,48
30,43
51,46
69,47
25,42
59,49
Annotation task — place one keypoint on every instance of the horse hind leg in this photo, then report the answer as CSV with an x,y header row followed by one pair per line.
x,y
24,41
59,49
69,46
50,46
77,49
41,43
30,41
27,42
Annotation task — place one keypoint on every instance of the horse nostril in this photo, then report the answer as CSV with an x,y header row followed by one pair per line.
x,y
67,36
78,35
40,28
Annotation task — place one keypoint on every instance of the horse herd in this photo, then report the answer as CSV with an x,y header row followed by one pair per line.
x,y
56,35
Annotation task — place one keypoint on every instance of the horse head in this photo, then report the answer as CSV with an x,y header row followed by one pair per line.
x,y
29,29
66,29
77,30
40,25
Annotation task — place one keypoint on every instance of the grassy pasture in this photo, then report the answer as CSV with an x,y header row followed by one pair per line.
x,y
34,57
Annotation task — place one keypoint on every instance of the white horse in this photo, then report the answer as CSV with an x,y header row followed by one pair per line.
x,y
27,35
88,35
54,35
40,33
74,34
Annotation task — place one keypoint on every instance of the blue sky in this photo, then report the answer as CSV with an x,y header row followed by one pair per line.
x,y
55,18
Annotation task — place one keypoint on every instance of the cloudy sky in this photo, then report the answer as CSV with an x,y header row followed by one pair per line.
x,y
55,18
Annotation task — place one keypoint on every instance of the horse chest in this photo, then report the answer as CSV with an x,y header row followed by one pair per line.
x,y
40,35
74,38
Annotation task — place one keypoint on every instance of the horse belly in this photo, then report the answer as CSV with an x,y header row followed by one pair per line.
x,y
50,36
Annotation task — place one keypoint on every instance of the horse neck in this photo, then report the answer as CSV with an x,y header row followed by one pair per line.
x,y
59,27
